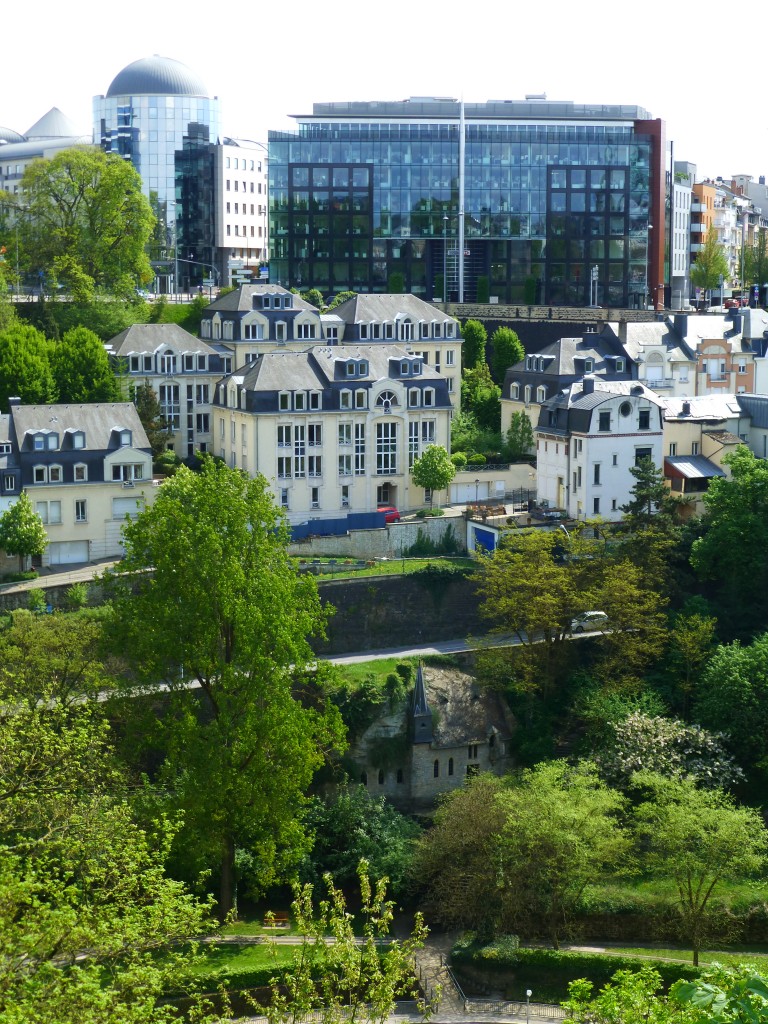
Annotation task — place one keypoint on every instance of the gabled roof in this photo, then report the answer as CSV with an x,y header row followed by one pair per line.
x,y
564,360
98,421
314,368
148,338
381,307
241,300
638,337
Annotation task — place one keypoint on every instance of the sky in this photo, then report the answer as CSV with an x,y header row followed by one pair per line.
x,y
692,66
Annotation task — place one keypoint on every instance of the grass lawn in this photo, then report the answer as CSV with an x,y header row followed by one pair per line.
x,y
730,955
394,567
232,958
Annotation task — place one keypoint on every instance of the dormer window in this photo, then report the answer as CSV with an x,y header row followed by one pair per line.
x,y
300,401
281,329
589,365
39,442
266,302
529,363
287,302
168,362
449,328
284,401
125,438
361,399
351,369
363,368
514,391
405,368
389,331
189,363
619,366
424,329
428,396
363,332
413,397
78,439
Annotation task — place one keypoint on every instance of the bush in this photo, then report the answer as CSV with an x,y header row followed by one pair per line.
x,y
76,596
545,967
424,546
429,513
36,600
459,459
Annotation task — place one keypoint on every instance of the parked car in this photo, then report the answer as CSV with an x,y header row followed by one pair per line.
x,y
588,621
391,515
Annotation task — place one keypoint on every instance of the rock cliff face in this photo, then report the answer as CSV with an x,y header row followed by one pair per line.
x,y
393,611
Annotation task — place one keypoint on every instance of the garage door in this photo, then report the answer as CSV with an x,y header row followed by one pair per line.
x,y
64,552
462,493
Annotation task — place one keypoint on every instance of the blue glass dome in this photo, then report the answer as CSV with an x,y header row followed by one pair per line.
x,y
157,76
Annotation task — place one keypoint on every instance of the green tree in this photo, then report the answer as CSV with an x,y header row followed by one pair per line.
x,y
25,370
351,826
630,998
691,644
468,436
711,264
433,470
519,442
85,904
561,832
21,529
736,509
756,261
733,995
81,369
315,296
454,866
668,747
339,299
481,397
396,282
226,606
700,839
651,503
354,977
151,416
87,222
507,350
475,338
732,695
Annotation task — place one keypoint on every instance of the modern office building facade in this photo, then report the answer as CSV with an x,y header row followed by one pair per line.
x,y
548,202
157,113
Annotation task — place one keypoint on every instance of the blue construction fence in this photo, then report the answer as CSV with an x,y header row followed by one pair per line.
x,y
337,527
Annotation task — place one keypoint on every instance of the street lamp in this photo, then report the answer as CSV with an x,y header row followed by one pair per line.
x,y
528,994
477,488
445,259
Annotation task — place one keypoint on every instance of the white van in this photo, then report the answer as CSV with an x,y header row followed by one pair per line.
x,y
589,621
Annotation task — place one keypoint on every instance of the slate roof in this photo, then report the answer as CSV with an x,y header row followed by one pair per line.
x,y
379,307
241,300
99,421
756,407
564,363
637,337
573,407
148,338
314,368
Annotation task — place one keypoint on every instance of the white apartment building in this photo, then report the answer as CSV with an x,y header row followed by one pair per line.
x,y
241,179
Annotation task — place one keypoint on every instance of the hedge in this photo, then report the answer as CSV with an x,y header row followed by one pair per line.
x,y
562,966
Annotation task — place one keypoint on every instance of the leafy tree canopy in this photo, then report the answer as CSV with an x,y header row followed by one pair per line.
x,y
507,350
475,338
85,903
699,838
735,509
711,263
481,397
150,414
669,747
25,369
87,222
21,529
519,442
433,470
227,607
352,826
81,369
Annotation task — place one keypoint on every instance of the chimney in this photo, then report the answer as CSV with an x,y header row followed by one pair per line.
x,y
761,180
15,400
686,409
588,385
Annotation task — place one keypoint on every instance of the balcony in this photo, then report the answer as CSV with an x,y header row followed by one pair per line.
x,y
699,229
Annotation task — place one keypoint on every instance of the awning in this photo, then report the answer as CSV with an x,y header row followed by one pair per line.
x,y
691,467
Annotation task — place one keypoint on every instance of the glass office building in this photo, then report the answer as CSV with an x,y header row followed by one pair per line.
x,y
531,201
157,114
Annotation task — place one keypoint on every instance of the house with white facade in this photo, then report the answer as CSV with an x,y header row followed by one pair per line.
x,y
183,372
587,440
334,429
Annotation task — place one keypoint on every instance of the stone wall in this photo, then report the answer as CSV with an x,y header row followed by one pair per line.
x,y
389,542
394,611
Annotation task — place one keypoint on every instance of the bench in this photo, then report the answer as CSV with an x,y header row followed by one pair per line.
x,y
277,919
